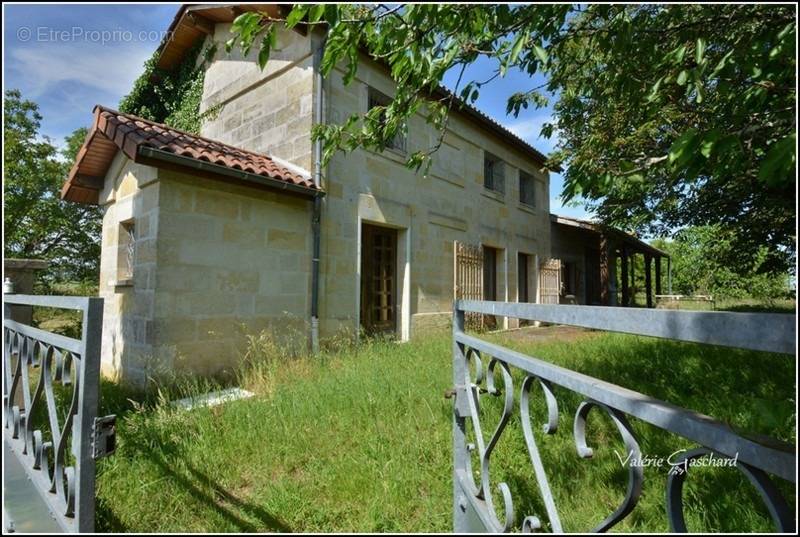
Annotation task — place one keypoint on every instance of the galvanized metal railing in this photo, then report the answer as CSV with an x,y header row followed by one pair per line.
x,y
52,427
474,508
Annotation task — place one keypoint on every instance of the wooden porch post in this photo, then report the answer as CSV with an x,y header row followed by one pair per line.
x,y
604,279
625,294
658,275
648,280
632,287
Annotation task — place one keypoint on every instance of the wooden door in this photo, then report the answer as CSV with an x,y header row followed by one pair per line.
x,y
378,279
523,290
593,286
489,283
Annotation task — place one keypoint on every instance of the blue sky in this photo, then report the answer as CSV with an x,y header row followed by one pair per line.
x,y
68,58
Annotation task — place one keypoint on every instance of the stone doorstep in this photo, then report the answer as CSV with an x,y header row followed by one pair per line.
x,y
212,398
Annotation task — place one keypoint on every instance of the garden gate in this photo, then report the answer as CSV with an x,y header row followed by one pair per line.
x,y
473,504
53,430
468,285
550,282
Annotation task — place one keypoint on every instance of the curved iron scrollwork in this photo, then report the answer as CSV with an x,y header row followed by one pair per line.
x,y
485,449
782,516
474,375
33,417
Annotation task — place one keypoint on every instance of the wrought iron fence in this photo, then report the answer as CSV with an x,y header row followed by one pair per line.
x,y
484,368
50,401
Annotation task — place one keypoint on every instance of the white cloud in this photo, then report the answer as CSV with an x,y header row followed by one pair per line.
x,y
529,129
557,207
112,69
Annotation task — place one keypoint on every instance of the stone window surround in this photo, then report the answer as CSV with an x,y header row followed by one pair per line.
x,y
523,175
376,97
126,247
489,157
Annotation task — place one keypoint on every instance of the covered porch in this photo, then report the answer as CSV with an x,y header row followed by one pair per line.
x,y
604,266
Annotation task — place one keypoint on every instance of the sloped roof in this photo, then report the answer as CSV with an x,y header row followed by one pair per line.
x,y
595,227
144,141
195,21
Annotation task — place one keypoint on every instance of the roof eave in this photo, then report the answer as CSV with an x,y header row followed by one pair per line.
x,y
152,156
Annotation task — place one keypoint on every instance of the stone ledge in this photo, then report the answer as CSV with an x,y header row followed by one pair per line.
x,y
22,264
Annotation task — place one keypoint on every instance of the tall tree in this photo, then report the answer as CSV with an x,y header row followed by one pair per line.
x,y
694,253
667,115
38,224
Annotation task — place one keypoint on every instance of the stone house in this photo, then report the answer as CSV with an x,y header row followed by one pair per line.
x,y
242,229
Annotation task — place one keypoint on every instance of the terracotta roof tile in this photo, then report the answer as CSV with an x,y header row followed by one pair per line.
x,y
130,133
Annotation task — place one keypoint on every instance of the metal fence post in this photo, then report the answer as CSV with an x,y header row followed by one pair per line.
x,y
460,453
92,328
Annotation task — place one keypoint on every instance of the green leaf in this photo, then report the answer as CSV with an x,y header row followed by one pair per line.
x,y
709,141
263,57
722,63
682,148
540,53
229,44
519,43
700,92
267,42
699,50
679,54
779,164
653,95
682,77
296,15
316,12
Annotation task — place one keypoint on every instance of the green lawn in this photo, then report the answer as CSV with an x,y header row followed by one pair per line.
x,y
360,440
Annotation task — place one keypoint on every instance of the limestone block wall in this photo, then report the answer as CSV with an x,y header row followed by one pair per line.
x,y
430,211
131,194
267,111
212,262
232,260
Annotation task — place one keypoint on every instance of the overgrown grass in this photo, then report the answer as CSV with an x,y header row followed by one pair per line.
x,y
359,439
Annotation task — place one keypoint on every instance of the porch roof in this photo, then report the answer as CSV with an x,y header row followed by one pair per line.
x,y
595,227
161,146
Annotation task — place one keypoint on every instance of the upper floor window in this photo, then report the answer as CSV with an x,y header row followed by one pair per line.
x,y
376,98
493,173
527,189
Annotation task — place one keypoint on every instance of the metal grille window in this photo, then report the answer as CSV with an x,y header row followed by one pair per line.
x,y
127,249
376,98
527,189
493,173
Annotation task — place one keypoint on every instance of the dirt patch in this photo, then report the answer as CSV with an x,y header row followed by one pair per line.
x,y
546,334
